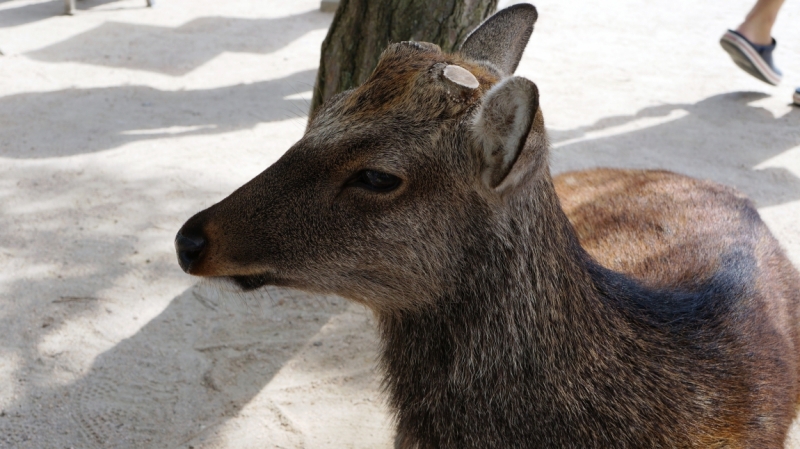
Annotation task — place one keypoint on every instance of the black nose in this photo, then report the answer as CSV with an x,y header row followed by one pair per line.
x,y
189,249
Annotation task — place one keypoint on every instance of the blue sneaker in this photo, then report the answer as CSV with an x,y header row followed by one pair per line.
x,y
753,59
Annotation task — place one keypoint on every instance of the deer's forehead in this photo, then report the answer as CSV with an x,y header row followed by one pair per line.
x,y
397,139
406,104
413,81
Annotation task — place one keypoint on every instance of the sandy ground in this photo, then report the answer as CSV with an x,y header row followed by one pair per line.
x,y
119,123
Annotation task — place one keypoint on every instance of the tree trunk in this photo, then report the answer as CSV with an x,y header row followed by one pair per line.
x,y
362,29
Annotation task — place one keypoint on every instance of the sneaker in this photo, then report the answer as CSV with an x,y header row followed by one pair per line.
x,y
753,59
796,96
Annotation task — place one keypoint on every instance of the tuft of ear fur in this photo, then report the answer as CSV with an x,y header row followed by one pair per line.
x,y
501,39
502,124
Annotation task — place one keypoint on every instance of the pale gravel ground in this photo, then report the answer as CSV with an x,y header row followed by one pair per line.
x,y
119,123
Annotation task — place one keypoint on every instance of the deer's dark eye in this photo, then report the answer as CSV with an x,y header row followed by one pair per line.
x,y
375,181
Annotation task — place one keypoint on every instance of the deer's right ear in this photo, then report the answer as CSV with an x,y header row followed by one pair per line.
x,y
501,39
502,124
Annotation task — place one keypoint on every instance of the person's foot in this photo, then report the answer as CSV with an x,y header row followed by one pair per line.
x,y
796,96
753,59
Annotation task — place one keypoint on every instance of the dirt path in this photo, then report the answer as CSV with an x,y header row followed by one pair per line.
x,y
120,122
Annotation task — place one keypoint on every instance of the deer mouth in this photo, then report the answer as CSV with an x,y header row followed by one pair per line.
x,y
253,281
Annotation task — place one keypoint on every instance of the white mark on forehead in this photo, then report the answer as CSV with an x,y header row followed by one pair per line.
x,y
461,76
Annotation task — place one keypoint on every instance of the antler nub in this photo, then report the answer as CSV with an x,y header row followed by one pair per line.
x,y
461,76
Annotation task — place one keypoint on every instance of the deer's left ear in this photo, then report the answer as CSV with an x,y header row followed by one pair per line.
x,y
502,38
502,124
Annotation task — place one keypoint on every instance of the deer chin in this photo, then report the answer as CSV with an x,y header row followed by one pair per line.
x,y
251,282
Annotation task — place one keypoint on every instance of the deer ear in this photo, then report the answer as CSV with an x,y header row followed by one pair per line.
x,y
502,124
502,38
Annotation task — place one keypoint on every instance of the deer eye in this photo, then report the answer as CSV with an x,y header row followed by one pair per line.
x,y
375,181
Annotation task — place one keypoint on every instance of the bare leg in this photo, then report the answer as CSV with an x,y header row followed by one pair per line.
x,y
757,26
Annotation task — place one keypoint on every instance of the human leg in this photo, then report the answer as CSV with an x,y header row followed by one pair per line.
x,y
757,26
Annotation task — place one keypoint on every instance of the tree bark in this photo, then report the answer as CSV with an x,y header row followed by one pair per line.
x,y
362,29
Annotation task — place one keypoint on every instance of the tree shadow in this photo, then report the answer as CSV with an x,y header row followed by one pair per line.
x,y
177,51
721,138
34,12
30,13
178,378
77,121
173,381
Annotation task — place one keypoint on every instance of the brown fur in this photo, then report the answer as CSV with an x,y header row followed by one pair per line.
x,y
610,309
672,232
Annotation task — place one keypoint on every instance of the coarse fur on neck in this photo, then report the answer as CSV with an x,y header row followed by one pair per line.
x,y
530,316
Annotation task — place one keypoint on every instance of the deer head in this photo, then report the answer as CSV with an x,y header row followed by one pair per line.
x,y
393,182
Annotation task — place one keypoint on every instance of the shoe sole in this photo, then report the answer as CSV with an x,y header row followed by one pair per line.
x,y
748,59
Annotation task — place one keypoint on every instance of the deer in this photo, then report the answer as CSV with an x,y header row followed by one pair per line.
x,y
607,308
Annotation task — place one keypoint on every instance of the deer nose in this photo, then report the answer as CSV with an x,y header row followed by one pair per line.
x,y
189,249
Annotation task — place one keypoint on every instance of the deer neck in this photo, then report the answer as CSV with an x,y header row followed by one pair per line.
x,y
520,315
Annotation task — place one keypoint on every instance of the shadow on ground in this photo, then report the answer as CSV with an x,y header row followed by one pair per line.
x,y
177,51
77,121
34,12
29,13
176,379
722,138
